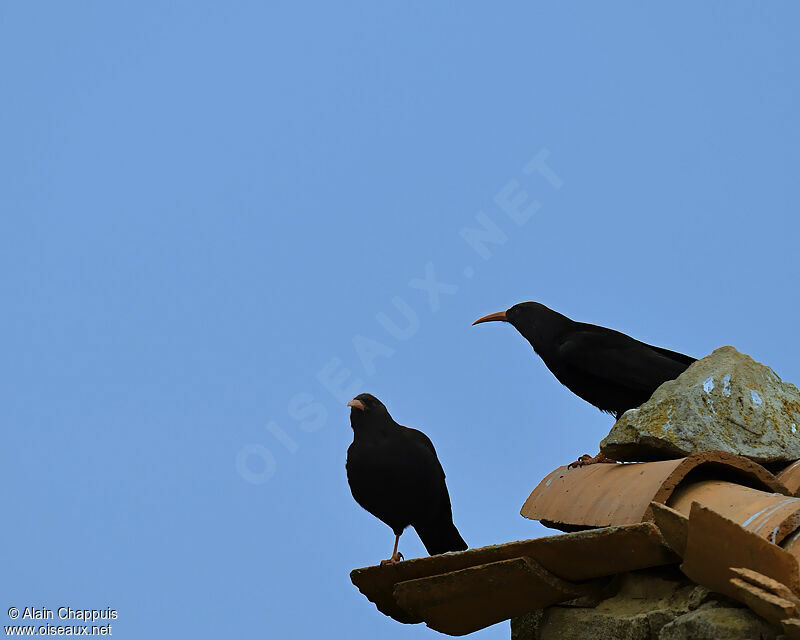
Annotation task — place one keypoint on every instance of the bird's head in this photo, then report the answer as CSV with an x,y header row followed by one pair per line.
x,y
364,408
532,319
522,314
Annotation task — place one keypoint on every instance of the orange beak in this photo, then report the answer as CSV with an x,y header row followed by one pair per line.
x,y
356,404
500,316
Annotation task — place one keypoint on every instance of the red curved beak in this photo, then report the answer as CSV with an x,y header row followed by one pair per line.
x,y
356,404
500,316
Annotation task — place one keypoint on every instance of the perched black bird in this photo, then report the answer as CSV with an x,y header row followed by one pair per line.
x,y
394,474
608,369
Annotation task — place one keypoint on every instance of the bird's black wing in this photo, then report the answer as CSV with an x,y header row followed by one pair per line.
x,y
674,355
620,359
435,525
424,441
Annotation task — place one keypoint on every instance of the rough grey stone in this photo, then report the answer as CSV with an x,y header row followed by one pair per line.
x,y
719,624
526,627
703,598
726,401
657,619
560,623
644,603
700,595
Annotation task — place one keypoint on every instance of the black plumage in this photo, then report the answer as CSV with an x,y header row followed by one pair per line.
x,y
608,369
394,473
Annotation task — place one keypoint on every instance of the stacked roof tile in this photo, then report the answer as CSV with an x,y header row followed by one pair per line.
x,y
733,527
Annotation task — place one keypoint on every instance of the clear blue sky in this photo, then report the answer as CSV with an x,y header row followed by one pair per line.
x,y
205,208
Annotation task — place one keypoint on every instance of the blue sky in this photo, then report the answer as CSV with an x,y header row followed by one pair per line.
x,y
207,207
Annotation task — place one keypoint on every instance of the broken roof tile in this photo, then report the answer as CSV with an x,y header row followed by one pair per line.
x,y
674,526
771,515
790,477
792,544
769,606
791,628
605,495
716,544
460,602
767,584
574,557
741,538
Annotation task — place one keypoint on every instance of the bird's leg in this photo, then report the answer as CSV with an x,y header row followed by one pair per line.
x,y
587,459
396,555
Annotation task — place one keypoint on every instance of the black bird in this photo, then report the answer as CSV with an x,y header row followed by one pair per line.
x,y
394,474
608,369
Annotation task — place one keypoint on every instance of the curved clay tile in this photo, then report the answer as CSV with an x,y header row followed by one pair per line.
x,y
790,477
576,558
465,601
601,495
716,546
792,544
770,515
674,526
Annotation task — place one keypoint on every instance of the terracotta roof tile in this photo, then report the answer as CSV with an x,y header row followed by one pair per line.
x,y
791,628
464,601
790,477
767,605
674,526
716,544
735,526
602,495
767,584
792,544
770,515
442,590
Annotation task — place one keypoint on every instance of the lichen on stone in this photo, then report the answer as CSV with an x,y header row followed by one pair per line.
x,y
725,402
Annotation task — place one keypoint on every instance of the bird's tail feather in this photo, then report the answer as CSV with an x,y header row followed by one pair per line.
x,y
440,538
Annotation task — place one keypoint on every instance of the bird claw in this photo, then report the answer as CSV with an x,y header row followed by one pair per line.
x,y
586,459
397,557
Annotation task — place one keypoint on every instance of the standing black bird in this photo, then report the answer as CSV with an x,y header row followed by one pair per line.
x,y
608,369
394,474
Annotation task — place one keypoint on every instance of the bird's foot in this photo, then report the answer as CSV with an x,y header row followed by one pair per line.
x,y
396,557
587,459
